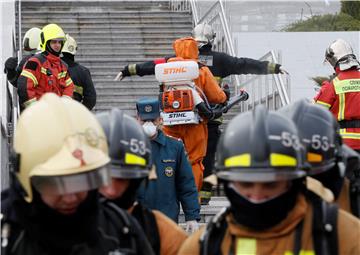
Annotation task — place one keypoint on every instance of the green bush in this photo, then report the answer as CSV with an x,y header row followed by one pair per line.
x,y
352,8
328,22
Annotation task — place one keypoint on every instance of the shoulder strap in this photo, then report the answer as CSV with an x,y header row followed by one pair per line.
x,y
147,221
211,239
355,194
40,57
325,227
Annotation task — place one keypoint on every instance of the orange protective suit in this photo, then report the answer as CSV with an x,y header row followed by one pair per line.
x,y
194,136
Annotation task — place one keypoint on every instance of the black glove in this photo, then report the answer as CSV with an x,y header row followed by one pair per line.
x,y
226,90
11,64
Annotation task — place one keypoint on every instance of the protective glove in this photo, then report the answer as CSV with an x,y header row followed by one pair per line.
x,y
192,226
11,63
119,76
282,70
226,90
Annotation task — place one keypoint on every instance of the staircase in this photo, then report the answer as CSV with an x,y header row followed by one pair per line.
x,y
111,35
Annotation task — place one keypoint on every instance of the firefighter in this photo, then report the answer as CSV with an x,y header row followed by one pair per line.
x,y
221,65
31,43
130,153
186,48
84,90
171,173
341,95
328,158
52,205
45,72
260,162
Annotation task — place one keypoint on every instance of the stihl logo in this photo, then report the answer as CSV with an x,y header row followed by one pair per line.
x,y
173,70
177,115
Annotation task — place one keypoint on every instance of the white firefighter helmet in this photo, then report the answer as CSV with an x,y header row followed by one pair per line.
x,y
340,53
203,34
70,45
31,39
61,146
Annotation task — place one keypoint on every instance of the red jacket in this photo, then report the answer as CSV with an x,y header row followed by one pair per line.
x,y
342,97
44,73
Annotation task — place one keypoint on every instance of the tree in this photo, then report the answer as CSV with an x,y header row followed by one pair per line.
x,y
352,8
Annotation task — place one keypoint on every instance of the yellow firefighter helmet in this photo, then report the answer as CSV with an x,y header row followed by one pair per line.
x,y
61,147
50,32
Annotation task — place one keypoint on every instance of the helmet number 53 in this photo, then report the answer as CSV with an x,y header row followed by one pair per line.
x,y
137,146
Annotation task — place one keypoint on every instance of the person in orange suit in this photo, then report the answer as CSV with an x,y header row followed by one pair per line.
x,y
194,136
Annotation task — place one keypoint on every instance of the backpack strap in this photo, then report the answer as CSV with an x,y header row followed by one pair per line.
x,y
354,191
211,239
147,221
125,227
325,227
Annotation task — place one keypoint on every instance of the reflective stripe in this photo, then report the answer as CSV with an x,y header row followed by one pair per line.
x,y
43,70
341,113
277,159
345,86
349,135
323,104
62,75
30,102
271,68
68,82
246,246
78,89
302,252
218,79
240,160
314,157
29,75
132,69
133,159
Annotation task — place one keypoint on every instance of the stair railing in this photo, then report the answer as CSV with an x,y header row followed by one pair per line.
x,y
217,18
269,90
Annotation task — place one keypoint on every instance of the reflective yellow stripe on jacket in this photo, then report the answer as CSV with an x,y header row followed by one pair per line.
x,y
79,90
302,252
29,75
323,104
345,86
68,82
349,135
62,74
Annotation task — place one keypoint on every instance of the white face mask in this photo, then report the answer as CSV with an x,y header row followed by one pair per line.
x,y
149,129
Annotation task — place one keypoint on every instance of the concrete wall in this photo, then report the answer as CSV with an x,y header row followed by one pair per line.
x,y
7,27
302,54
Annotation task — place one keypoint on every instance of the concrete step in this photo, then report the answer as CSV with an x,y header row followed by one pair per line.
x,y
100,21
107,26
99,13
208,211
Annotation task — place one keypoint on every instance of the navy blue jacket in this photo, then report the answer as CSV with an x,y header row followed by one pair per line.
x,y
174,183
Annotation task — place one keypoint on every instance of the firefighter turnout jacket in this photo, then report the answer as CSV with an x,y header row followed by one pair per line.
x,y
294,235
342,97
41,74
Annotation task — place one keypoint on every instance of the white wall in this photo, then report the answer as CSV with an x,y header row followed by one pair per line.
x,y
7,26
302,54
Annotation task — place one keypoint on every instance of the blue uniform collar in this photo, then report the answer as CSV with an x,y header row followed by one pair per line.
x,y
160,138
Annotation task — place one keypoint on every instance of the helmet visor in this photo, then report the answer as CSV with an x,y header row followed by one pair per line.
x,y
126,172
317,169
66,184
260,175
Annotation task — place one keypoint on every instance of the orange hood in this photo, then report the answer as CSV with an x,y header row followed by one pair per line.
x,y
186,48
